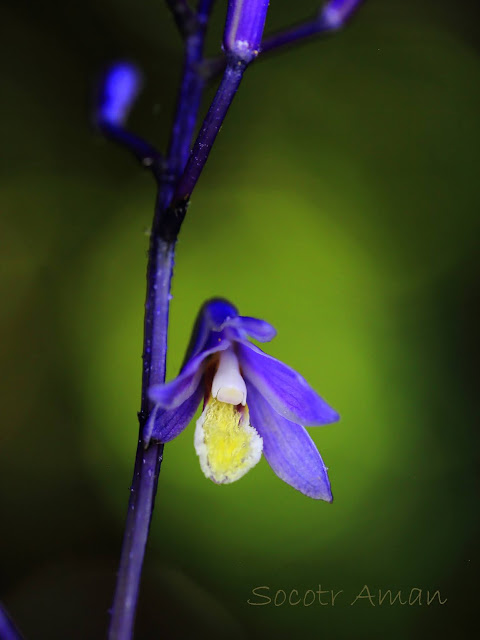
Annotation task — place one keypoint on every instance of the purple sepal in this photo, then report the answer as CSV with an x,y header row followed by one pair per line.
x,y
254,327
284,389
244,28
211,318
288,449
121,85
218,311
165,425
174,393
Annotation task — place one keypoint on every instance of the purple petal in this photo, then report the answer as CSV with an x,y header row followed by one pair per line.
x,y
283,388
165,425
174,393
210,319
254,327
289,450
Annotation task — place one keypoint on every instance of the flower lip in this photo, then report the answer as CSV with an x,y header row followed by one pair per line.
x,y
226,443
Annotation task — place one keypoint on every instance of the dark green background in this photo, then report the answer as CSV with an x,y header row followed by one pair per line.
x,y
341,204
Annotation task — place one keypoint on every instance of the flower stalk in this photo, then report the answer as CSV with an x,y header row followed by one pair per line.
x,y
185,18
211,125
333,16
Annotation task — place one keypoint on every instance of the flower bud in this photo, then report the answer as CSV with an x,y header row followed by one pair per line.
x,y
120,87
244,28
336,12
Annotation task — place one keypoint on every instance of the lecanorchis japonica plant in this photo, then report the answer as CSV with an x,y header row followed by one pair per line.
x,y
253,404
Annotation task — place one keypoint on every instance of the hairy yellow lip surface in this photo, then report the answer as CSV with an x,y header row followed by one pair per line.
x,y
227,445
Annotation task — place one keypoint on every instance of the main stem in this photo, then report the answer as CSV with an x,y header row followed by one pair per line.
x,y
148,459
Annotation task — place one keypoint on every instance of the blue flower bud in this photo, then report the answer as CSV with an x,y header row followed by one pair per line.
x,y
121,85
244,28
336,12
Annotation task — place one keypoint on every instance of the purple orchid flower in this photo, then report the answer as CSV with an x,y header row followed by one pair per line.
x,y
253,403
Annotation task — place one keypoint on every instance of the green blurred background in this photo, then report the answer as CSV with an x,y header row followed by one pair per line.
x,y
340,203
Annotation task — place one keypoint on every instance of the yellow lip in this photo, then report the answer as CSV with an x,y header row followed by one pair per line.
x,y
227,445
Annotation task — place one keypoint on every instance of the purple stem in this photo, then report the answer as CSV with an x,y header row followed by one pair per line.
x,y
145,153
296,34
190,93
147,461
331,18
159,275
213,120
183,15
8,631
204,9
334,15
